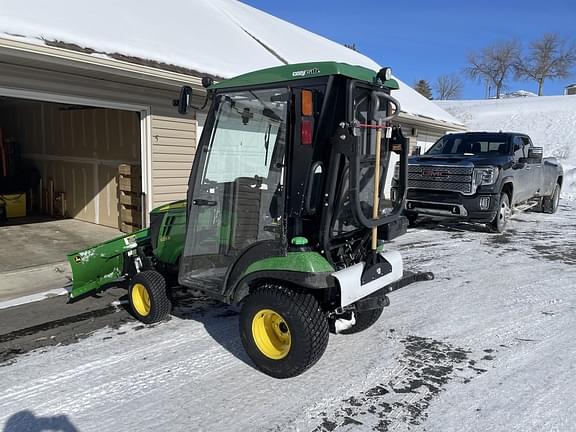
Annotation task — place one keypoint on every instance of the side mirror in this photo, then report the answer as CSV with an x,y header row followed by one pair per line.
x,y
535,154
185,99
417,151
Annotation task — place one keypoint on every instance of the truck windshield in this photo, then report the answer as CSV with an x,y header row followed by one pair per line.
x,y
471,144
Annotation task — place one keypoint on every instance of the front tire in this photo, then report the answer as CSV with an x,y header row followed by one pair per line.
x,y
498,224
284,332
412,218
550,203
148,297
364,320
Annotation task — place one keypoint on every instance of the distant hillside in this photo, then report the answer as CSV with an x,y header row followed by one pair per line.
x,y
549,120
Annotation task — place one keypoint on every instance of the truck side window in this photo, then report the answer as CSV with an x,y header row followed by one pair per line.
x,y
518,148
526,142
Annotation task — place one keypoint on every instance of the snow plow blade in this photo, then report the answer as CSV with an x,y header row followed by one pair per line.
x,y
96,268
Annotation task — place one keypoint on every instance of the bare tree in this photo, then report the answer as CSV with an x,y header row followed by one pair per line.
x,y
494,64
548,58
448,87
423,87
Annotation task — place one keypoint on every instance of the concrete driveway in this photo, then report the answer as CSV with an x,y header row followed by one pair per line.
x,y
33,253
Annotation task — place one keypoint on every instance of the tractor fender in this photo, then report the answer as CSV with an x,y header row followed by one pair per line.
x,y
311,281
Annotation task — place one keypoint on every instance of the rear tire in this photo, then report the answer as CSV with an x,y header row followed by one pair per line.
x,y
364,320
498,224
284,332
550,203
148,297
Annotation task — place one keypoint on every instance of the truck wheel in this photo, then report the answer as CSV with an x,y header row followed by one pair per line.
x,y
284,332
364,320
148,298
412,217
550,203
498,225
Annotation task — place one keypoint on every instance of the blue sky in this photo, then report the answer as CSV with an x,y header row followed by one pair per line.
x,y
424,39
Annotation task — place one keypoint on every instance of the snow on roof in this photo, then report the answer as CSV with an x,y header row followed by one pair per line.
x,y
548,120
219,37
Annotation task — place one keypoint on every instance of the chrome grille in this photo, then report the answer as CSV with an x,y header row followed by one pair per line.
x,y
445,178
452,170
464,188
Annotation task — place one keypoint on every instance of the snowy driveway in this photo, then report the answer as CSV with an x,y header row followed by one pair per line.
x,y
487,346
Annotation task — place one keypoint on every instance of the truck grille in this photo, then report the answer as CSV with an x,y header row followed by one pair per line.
x,y
444,178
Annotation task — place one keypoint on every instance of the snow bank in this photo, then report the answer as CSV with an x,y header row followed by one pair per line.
x,y
220,37
549,120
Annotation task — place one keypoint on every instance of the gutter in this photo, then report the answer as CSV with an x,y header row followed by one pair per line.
x,y
437,124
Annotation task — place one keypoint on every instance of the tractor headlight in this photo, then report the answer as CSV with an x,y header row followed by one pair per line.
x,y
397,171
485,176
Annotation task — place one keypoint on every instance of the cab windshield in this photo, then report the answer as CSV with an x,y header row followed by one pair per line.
x,y
237,186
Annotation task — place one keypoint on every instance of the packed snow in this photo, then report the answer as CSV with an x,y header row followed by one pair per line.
x,y
549,120
487,346
220,37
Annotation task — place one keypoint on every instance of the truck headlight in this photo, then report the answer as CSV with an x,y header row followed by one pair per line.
x,y
485,176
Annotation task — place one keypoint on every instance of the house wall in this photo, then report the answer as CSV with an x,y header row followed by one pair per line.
x,y
173,150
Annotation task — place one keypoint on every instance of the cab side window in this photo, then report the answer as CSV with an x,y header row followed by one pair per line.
x,y
518,148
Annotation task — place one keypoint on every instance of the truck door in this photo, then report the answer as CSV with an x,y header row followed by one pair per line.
x,y
522,172
534,169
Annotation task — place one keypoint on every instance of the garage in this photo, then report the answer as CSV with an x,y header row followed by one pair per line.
x,y
70,161
87,150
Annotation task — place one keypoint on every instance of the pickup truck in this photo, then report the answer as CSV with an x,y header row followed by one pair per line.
x,y
482,177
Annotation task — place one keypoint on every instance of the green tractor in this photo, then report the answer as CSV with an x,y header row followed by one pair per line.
x,y
291,199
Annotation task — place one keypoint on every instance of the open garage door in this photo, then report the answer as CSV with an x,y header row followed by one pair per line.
x,y
70,161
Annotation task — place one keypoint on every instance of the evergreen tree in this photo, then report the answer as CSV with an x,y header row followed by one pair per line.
x,y
423,87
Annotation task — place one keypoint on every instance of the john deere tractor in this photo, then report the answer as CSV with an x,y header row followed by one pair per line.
x,y
290,202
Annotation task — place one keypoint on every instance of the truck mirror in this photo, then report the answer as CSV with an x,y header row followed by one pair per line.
x,y
185,99
535,154
417,151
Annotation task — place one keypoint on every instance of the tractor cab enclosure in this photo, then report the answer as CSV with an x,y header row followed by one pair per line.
x,y
282,186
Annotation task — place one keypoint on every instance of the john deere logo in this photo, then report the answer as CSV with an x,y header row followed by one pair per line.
x,y
303,73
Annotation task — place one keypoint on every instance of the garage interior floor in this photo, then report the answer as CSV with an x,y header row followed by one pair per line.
x,y
33,252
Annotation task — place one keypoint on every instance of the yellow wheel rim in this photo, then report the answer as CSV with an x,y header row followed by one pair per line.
x,y
141,299
271,334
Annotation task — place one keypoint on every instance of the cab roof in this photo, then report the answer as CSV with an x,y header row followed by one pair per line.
x,y
293,72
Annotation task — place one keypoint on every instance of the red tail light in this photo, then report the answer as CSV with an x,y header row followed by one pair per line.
x,y
306,131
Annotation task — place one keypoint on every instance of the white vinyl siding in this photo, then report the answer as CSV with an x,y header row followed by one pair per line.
x,y
173,150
